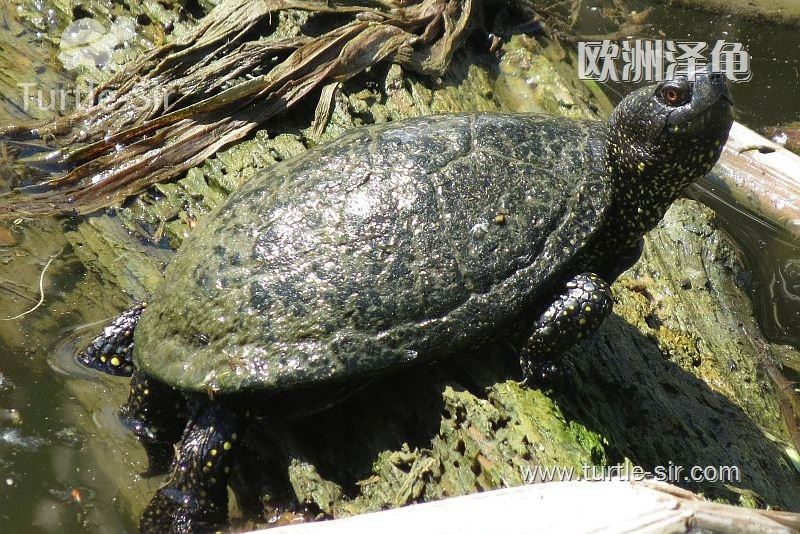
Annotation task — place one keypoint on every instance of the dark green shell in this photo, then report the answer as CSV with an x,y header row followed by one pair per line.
x,y
394,244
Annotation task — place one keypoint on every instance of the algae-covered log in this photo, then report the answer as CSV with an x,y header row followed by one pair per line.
x,y
776,11
673,377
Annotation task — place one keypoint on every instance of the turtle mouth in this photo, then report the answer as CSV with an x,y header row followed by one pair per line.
x,y
722,87
726,95
710,88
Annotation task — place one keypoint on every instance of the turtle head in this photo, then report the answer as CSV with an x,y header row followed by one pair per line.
x,y
665,136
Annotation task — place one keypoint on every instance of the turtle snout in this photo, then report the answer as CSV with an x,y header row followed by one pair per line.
x,y
717,80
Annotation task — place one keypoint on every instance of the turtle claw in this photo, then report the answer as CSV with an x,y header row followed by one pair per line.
x,y
576,313
111,352
543,374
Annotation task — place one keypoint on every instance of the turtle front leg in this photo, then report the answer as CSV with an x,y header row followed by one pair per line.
x,y
156,414
195,497
111,352
575,313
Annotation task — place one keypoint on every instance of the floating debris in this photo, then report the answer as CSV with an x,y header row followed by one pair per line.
x,y
5,383
10,417
192,107
70,437
7,239
788,136
15,438
79,495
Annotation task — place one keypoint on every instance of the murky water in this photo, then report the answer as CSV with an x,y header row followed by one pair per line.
x,y
50,477
50,480
55,473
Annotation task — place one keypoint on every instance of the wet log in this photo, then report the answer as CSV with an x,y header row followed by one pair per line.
x,y
760,176
776,11
577,507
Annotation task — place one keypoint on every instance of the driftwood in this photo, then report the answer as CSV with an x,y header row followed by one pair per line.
x,y
761,176
787,135
577,507
118,147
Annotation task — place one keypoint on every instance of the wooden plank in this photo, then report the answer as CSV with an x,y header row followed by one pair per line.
x,y
767,184
576,507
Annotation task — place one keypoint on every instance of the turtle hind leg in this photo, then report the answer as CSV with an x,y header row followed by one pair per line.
x,y
195,497
156,414
574,314
111,352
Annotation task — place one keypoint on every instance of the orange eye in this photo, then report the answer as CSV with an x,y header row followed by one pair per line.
x,y
672,96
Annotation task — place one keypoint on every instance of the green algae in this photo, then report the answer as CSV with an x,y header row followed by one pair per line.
x,y
482,444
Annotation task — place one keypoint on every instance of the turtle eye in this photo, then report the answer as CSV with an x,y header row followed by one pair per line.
x,y
675,95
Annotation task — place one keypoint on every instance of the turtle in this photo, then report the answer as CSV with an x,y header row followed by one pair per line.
x,y
393,245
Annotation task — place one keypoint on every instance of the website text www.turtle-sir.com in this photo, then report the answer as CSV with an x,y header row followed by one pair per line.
x,y
672,473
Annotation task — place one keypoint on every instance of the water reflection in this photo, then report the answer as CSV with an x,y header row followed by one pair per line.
x,y
774,257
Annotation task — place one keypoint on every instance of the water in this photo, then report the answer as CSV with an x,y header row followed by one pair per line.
x,y
48,461
774,257
57,470
52,477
